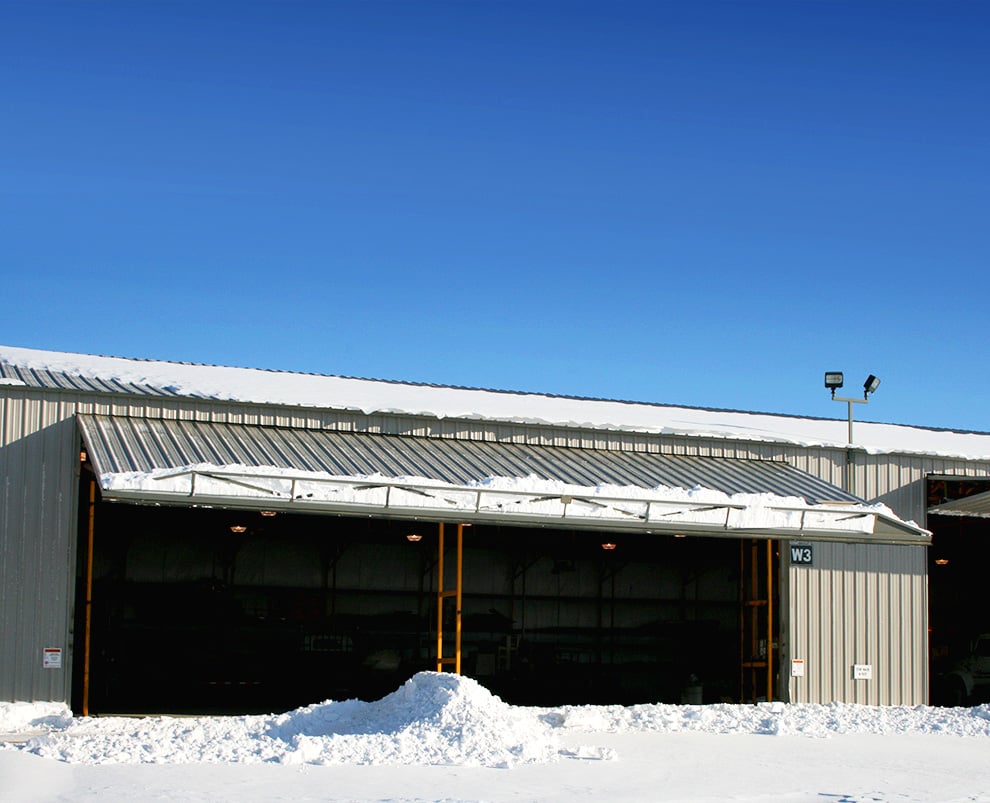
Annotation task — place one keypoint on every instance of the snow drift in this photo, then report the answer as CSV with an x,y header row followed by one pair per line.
x,y
440,719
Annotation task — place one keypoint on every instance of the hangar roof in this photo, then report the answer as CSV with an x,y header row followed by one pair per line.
x,y
86,373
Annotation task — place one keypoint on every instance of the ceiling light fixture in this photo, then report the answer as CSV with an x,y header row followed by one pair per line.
x,y
238,528
608,546
414,537
267,513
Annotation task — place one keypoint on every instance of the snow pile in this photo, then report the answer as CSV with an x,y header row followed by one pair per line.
x,y
432,719
21,717
778,719
442,719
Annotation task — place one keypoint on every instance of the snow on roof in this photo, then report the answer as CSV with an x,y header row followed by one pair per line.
x,y
370,396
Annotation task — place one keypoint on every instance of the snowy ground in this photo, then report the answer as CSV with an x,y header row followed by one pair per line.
x,y
444,738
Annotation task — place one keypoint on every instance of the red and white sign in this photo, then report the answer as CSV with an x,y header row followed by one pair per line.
x,y
52,658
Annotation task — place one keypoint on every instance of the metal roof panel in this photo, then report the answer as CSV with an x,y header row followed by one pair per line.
x,y
123,444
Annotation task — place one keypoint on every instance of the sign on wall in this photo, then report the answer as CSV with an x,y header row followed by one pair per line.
x,y
51,658
802,555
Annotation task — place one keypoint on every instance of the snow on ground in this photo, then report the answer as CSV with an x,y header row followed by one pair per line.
x,y
444,737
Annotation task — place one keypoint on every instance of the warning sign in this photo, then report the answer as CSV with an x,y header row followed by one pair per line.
x,y
52,658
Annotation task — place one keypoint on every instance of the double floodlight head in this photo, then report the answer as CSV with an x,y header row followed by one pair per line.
x,y
834,380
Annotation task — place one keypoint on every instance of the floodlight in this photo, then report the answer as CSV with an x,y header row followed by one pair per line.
x,y
833,380
870,385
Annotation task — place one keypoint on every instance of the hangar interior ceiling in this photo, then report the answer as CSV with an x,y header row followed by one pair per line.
x,y
189,616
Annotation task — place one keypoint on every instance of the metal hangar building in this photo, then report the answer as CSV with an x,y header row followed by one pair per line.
x,y
193,538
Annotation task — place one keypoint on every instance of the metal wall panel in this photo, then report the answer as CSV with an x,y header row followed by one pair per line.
x,y
38,467
858,604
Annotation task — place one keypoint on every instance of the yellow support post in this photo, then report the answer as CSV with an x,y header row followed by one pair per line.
x,y
443,594
440,570
755,596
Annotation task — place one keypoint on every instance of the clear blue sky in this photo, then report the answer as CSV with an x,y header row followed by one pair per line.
x,y
700,203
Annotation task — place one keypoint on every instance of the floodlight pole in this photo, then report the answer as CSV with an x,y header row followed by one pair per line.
x,y
850,402
833,381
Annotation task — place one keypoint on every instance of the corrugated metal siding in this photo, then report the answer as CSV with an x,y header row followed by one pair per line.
x,y
38,442
37,522
899,480
860,604
122,445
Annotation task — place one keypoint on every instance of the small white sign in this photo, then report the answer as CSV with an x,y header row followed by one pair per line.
x,y
51,658
797,668
863,671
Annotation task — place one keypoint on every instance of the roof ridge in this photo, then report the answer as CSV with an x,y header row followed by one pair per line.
x,y
469,388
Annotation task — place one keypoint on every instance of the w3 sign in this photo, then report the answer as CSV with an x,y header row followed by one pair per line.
x,y
801,554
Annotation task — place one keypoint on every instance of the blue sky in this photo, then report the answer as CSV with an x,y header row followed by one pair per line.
x,y
699,203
